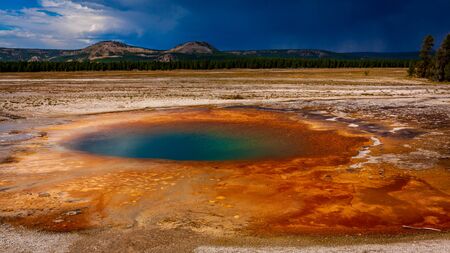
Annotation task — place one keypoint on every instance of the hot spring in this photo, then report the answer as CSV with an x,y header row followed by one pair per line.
x,y
212,139
193,141
213,136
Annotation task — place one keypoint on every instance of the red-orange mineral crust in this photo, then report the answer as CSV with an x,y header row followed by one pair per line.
x,y
54,188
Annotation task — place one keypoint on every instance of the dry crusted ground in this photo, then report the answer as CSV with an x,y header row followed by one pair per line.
x,y
389,193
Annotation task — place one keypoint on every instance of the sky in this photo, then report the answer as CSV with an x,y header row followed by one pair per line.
x,y
343,26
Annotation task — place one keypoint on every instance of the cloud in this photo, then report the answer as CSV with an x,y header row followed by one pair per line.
x,y
75,24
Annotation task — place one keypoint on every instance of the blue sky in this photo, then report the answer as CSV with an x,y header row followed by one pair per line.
x,y
345,25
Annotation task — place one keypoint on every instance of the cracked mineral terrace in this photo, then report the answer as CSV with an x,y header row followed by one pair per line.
x,y
375,175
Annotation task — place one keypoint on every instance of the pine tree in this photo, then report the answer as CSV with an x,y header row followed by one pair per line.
x,y
442,60
447,72
411,70
424,65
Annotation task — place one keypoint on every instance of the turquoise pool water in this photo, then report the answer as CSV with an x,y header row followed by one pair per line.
x,y
187,142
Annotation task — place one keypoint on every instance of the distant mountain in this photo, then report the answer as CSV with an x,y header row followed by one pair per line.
x,y
194,47
107,49
18,54
285,53
315,53
118,51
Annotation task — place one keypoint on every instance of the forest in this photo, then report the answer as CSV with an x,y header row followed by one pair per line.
x,y
433,65
250,63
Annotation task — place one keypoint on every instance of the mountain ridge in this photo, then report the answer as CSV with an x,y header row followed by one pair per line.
x,y
119,51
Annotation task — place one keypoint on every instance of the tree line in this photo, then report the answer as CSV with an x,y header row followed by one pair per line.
x,y
432,65
251,63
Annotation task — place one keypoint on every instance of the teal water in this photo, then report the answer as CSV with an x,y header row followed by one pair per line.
x,y
185,143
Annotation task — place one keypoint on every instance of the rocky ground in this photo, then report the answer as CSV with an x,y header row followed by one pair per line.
x,y
407,121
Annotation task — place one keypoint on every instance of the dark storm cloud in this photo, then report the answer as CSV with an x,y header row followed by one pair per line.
x,y
346,25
